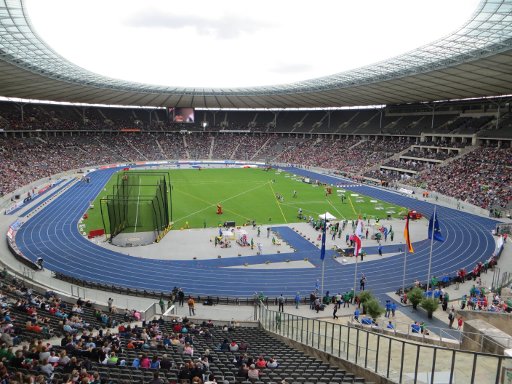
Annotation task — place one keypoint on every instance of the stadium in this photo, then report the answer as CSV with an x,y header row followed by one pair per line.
x,y
344,228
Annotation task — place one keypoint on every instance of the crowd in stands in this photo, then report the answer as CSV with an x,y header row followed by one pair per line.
x,y
156,352
444,144
24,160
45,117
26,313
409,165
227,144
466,124
27,318
387,175
348,155
199,149
277,147
482,177
480,298
39,116
429,154
250,147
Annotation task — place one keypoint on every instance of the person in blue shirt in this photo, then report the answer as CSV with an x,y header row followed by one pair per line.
x,y
155,363
393,308
297,300
366,321
166,341
388,308
390,325
356,314
415,327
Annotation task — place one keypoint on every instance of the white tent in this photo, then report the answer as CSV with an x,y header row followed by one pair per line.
x,y
228,235
327,216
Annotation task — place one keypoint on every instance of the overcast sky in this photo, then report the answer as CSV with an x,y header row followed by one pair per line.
x,y
218,43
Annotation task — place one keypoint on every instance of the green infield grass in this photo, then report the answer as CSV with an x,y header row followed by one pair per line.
x,y
247,194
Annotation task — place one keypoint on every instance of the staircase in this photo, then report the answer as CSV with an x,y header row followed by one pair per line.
x,y
261,148
109,149
319,123
142,156
212,146
300,123
79,114
346,123
102,114
365,123
235,150
161,149
358,144
186,147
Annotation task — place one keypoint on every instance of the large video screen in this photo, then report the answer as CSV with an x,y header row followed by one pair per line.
x,y
181,115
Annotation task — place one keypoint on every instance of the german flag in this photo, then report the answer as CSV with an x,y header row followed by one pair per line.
x,y
410,249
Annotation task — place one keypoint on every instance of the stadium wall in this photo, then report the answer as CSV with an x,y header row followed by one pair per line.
x,y
502,321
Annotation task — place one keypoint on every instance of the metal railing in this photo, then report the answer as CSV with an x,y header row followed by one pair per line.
x,y
432,335
399,360
150,312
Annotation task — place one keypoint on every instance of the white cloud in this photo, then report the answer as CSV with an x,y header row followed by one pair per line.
x,y
225,27
290,68
227,43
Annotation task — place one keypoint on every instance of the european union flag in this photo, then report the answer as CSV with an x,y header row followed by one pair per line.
x,y
433,225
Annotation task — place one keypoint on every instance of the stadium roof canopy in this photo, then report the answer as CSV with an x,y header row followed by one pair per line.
x,y
475,61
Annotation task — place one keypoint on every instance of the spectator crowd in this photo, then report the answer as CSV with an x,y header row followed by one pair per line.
x,y
481,177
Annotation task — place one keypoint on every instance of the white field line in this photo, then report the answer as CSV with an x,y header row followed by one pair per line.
x,y
214,204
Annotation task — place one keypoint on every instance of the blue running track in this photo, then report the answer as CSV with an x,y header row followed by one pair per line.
x,y
53,235
51,189
35,206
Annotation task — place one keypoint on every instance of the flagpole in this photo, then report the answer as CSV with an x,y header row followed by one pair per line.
x,y
322,286
431,246
357,249
405,263
355,278
324,235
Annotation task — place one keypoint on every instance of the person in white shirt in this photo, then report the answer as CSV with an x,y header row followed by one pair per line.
x,y
272,363
253,373
53,358
211,379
